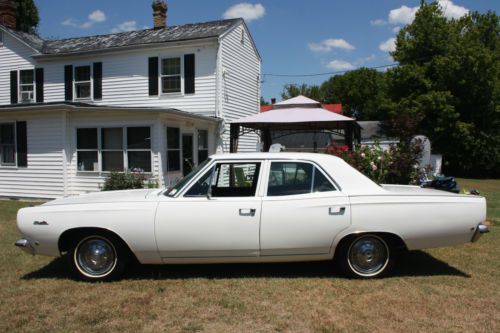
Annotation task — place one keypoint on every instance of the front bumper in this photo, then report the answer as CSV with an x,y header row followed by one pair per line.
x,y
25,245
480,230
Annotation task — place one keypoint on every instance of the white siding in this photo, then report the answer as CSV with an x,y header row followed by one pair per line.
x,y
125,79
43,178
14,55
240,87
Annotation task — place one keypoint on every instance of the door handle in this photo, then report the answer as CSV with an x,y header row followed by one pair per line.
x,y
247,211
336,210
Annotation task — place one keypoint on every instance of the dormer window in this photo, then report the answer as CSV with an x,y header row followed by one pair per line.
x,y
26,86
171,75
82,82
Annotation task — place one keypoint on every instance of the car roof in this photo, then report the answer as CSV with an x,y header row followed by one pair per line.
x,y
276,156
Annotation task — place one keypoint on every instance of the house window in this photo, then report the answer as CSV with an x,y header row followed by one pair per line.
x,y
1,38
105,147
173,149
87,149
170,75
202,145
82,82
7,144
139,148
26,86
112,149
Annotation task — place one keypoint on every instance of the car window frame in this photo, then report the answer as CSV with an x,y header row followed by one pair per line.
x,y
314,164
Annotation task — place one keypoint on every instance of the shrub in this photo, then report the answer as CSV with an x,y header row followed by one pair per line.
x,y
124,181
397,165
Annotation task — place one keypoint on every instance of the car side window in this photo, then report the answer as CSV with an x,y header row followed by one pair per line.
x,y
292,178
227,180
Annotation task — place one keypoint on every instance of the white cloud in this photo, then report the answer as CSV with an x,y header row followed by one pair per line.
x,y
340,65
97,16
389,45
70,23
450,10
402,15
125,26
245,10
330,44
396,29
378,22
406,15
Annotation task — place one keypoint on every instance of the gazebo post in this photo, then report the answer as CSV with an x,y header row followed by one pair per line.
x,y
266,136
348,134
234,133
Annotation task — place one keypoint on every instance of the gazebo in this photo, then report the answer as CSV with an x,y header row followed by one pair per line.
x,y
296,115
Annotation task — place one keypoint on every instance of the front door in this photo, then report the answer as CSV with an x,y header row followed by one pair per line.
x,y
302,211
217,217
187,153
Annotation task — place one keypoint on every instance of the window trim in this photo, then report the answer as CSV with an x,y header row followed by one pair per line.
x,y
173,149
90,82
10,165
124,149
33,84
160,75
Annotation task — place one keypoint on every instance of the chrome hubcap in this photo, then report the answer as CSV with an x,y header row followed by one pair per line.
x,y
96,256
368,255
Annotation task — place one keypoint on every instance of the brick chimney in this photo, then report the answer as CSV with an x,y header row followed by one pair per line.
x,y
159,14
8,15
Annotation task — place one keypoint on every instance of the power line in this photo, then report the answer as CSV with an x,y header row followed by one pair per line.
x,y
327,73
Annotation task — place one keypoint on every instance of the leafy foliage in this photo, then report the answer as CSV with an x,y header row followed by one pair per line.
x,y
448,83
124,181
27,16
398,165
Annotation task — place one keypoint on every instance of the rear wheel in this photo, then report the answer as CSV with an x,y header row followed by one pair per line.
x,y
365,256
98,257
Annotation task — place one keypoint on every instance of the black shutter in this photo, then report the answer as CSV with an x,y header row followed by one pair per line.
x,y
39,84
189,73
68,82
13,87
22,144
97,80
153,76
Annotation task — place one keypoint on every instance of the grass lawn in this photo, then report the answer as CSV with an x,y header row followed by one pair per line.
x,y
454,289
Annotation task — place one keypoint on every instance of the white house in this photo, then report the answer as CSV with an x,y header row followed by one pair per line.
x,y
73,110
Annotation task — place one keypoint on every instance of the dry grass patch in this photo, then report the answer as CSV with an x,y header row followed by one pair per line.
x,y
441,290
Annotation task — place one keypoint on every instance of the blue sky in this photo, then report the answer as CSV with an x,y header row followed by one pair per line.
x,y
293,36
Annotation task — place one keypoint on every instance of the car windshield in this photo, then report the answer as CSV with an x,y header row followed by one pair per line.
x,y
180,184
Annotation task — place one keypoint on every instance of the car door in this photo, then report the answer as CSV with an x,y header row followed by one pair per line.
x,y
302,210
217,216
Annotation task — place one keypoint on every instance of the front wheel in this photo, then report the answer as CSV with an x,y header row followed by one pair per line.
x,y
366,256
98,258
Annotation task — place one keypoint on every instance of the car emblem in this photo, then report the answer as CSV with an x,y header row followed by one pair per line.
x,y
40,223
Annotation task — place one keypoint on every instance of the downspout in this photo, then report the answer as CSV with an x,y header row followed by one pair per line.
x,y
220,129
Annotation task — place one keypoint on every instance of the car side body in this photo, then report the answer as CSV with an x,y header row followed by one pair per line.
x,y
249,208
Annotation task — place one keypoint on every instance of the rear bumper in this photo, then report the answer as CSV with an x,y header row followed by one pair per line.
x,y
480,230
25,245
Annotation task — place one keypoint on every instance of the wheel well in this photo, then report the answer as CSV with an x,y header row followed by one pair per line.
x,y
393,241
69,238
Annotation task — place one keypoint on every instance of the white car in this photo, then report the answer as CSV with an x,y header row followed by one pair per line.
x,y
248,208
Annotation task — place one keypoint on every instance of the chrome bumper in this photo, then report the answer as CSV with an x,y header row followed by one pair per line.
x,y
25,245
480,230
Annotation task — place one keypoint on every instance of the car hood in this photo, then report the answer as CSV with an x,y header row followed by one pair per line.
x,y
105,197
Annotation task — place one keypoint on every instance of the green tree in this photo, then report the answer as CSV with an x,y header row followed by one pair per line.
x,y
27,16
362,93
448,84
294,90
